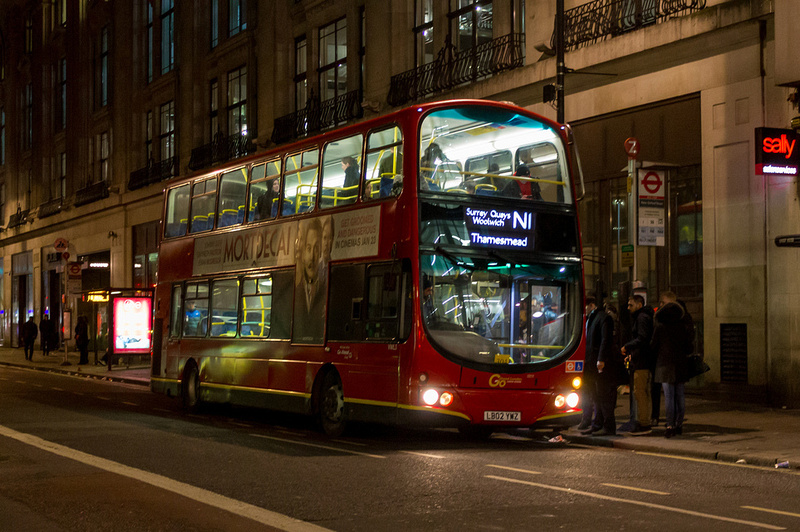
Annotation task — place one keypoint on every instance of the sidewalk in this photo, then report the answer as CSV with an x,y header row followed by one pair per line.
x,y
716,427
134,374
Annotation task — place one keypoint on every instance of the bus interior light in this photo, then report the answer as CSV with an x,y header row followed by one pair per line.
x,y
572,400
430,397
576,383
560,401
446,399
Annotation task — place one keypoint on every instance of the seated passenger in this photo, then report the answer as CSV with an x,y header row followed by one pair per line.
x,y
351,173
267,204
391,169
517,188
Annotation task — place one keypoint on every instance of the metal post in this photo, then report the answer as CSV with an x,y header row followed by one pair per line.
x,y
560,68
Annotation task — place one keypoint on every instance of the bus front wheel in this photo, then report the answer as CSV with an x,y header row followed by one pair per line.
x,y
330,412
190,388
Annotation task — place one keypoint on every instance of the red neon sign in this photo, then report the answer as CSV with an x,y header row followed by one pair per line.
x,y
779,145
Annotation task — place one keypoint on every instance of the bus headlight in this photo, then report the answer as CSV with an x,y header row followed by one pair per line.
x,y
446,399
430,397
576,383
560,401
572,400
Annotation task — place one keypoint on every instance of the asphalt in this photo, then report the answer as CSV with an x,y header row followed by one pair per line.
x,y
724,424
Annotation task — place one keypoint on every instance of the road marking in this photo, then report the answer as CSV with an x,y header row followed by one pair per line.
x,y
103,398
779,512
129,403
351,443
78,393
256,513
620,486
162,410
58,389
639,503
717,462
307,444
422,454
514,469
37,385
245,425
21,382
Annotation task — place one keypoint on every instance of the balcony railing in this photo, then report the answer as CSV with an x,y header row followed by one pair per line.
x,y
91,193
154,172
51,207
317,116
451,69
222,149
599,19
18,218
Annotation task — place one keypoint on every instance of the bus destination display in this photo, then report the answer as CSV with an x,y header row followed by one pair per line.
x,y
499,228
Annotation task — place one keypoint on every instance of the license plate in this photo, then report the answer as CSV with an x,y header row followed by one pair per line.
x,y
491,415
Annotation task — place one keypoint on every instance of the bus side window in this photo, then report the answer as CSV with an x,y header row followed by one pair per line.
x,y
177,211
175,312
383,303
384,164
341,171
224,308
265,192
204,200
300,182
256,307
232,193
195,321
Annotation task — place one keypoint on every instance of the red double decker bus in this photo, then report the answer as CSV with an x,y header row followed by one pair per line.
x,y
422,267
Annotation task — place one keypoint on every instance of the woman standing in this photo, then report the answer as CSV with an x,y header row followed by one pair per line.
x,y
82,339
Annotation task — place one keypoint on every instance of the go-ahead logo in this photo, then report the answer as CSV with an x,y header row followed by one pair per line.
x,y
498,381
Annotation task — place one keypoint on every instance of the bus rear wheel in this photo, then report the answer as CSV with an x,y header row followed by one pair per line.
x,y
190,388
330,410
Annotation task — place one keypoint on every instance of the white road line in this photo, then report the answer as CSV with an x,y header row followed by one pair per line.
x,y
639,503
37,385
426,455
103,398
256,513
327,447
162,410
620,486
245,425
79,393
718,462
779,512
514,469
129,403
357,443
58,389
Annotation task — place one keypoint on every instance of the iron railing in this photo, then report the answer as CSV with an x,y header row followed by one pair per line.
x,y
599,19
91,193
18,218
154,172
317,116
222,149
51,207
451,69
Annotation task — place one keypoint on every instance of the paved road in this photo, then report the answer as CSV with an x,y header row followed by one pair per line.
x,y
93,455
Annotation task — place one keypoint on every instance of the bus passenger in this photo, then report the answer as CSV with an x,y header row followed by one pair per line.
x,y
351,174
522,188
267,204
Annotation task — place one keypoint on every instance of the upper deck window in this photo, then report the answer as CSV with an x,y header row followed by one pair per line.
x,y
265,191
176,217
384,168
492,152
204,200
232,193
341,171
300,182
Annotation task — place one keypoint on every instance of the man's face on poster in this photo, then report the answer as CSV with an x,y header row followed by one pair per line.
x,y
311,252
327,238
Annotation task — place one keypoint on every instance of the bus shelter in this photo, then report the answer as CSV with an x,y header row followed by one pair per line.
x,y
120,323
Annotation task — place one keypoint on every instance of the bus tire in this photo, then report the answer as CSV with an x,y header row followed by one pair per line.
x,y
190,387
330,405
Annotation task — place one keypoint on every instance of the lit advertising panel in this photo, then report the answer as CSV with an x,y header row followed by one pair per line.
x,y
132,325
500,228
775,151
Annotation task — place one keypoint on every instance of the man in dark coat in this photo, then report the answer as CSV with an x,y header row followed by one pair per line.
x,y
589,396
46,329
641,361
673,341
28,335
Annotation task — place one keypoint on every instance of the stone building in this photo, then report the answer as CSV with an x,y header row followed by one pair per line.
x,y
101,102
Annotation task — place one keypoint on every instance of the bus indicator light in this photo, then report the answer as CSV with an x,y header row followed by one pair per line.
x,y
446,399
576,383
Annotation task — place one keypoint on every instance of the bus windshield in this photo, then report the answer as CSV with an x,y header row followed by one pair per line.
x,y
482,310
491,151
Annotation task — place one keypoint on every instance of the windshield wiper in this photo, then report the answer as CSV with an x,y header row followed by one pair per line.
x,y
453,259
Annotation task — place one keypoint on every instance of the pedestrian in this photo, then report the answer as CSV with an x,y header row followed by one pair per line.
x,y
673,341
640,362
593,340
29,334
45,328
82,339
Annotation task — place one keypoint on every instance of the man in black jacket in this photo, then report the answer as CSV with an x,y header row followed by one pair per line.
x,y
602,364
639,358
589,396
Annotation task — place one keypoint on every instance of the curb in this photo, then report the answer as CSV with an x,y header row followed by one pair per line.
x,y
110,378
623,443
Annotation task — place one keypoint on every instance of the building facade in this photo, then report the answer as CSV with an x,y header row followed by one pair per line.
x,y
101,102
